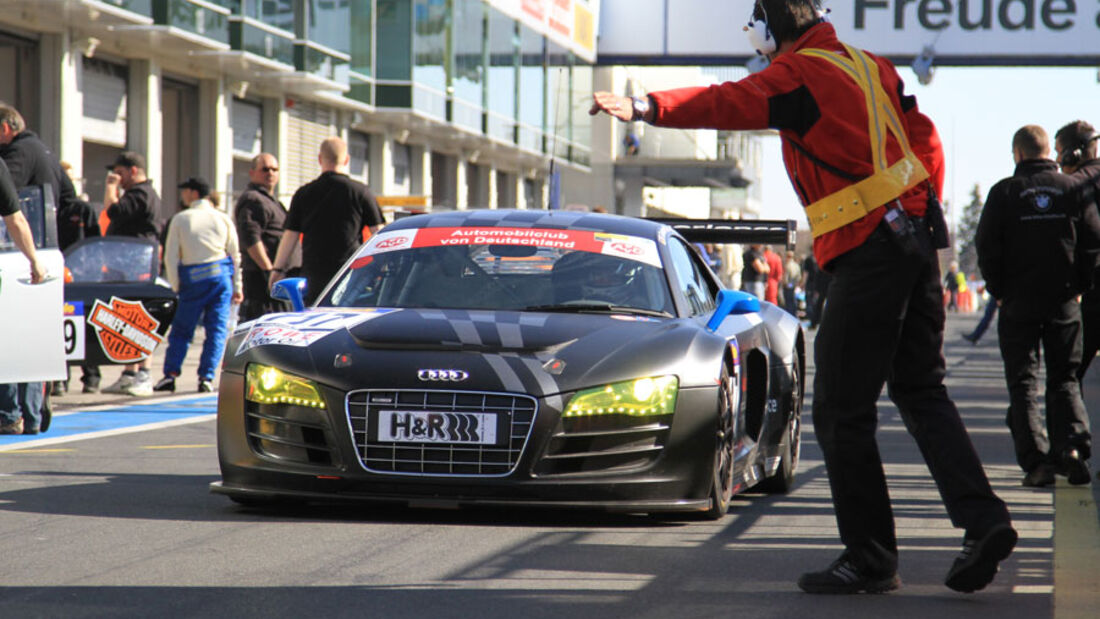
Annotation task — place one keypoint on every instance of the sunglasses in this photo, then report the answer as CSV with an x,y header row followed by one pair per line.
x,y
268,169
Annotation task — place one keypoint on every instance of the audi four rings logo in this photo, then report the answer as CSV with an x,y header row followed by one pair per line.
x,y
452,376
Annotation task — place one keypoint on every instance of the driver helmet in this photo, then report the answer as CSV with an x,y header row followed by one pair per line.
x,y
603,278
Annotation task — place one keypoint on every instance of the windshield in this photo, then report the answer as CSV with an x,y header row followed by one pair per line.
x,y
112,259
410,268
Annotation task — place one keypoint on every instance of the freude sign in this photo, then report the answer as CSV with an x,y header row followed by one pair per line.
x,y
1035,32
1008,15
1024,31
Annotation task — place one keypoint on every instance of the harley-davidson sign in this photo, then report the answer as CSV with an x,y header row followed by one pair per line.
x,y
126,331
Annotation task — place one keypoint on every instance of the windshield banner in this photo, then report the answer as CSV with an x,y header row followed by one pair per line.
x,y
621,246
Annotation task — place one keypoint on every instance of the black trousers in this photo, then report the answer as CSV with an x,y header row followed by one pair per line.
x,y
1090,338
257,296
1057,329
883,324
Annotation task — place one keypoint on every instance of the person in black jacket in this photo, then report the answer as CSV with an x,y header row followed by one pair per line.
x,y
1038,245
1075,145
133,207
20,403
29,160
31,163
1076,148
77,220
132,204
261,218
329,214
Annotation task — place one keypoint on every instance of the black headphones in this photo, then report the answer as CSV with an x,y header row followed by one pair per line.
x,y
1077,155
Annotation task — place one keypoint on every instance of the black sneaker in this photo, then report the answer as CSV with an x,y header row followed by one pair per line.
x,y
1075,469
205,386
168,383
1040,476
976,565
90,381
843,576
45,417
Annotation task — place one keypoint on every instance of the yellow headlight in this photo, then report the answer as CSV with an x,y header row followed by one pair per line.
x,y
640,397
267,385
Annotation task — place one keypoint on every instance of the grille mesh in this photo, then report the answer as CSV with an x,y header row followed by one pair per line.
x,y
440,459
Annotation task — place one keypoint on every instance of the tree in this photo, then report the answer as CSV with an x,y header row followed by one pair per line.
x,y
968,230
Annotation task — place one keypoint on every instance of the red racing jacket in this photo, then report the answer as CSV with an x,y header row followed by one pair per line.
x,y
817,107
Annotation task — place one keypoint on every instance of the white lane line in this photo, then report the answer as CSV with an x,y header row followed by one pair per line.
x,y
103,433
72,409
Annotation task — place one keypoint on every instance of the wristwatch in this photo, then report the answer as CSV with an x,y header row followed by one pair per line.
x,y
641,107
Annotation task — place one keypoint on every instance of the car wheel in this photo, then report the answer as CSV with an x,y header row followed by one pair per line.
x,y
791,446
721,490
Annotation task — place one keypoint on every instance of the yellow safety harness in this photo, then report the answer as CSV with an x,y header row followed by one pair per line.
x,y
852,203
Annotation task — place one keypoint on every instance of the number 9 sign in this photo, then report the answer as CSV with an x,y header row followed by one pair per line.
x,y
73,325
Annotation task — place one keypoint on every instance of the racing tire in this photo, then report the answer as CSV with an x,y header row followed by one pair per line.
x,y
791,446
721,490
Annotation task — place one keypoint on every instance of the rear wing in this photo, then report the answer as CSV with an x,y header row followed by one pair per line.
x,y
743,231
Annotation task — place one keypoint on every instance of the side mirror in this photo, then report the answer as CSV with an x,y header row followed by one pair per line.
x,y
291,289
732,302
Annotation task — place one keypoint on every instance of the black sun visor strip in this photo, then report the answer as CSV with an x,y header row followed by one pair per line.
x,y
743,231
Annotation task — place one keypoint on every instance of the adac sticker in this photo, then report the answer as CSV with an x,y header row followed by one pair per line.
x,y
301,329
126,331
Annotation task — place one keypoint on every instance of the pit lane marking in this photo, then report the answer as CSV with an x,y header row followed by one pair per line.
x,y
197,446
105,433
114,420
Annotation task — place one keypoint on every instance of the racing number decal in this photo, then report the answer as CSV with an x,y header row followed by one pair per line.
x,y
73,326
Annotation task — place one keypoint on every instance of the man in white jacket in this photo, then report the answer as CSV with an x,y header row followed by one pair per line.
x,y
202,262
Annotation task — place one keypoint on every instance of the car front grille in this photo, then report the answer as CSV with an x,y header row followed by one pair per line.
x,y
365,408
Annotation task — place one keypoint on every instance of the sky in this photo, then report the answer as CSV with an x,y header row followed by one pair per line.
x,y
976,110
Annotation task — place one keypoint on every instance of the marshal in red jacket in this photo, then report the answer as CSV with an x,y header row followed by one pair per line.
x,y
817,106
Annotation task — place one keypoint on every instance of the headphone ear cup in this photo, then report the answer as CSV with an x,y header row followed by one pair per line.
x,y
1077,155
760,37
1073,157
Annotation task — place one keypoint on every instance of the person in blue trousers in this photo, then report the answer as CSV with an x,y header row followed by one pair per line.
x,y
202,262
983,324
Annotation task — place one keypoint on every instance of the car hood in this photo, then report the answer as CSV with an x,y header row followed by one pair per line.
x,y
538,353
491,331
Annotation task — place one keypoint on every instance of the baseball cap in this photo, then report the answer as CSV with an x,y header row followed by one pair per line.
x,y
128,159
198,184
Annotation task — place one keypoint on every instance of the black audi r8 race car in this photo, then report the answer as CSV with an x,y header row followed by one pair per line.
x,y
531,358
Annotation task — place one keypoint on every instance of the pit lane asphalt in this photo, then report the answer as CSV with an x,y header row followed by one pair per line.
x,y
123,526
